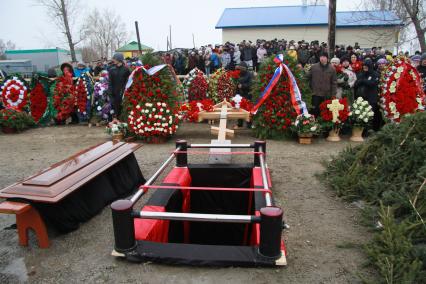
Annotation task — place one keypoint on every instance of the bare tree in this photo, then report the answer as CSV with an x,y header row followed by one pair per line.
x,y
64,13
411,12
105,30
6,46
89,54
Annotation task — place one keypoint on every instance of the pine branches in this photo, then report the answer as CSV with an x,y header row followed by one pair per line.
x,y
388,173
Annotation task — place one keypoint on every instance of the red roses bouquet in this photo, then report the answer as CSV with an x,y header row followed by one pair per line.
x,y
190,110
333,113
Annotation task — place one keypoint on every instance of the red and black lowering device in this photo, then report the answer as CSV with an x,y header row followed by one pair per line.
x,y
171,227
123,224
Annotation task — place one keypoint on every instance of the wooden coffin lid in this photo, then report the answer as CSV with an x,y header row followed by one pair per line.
x,y
57,181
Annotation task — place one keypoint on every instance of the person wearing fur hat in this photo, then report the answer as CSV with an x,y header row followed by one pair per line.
x,y
323,82
118,75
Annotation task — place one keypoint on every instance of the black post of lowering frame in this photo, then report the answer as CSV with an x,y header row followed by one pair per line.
x,y
257,146
182,158
271,219
123,224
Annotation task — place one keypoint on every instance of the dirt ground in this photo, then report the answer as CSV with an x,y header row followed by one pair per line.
x,y
321,225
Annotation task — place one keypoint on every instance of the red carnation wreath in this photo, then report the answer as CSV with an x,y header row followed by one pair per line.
x,y
223,85
38,101
81,95
63,98
14,94
401,90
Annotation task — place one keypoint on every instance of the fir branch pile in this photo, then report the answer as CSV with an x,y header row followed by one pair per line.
x,y
388,173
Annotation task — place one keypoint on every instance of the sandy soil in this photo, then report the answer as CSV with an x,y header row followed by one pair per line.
x,y
322,241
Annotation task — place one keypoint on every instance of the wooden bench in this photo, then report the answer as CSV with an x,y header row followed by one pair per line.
x,y
27,217
56,183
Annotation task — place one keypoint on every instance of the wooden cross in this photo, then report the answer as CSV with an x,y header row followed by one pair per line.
x,y
223,111
335,107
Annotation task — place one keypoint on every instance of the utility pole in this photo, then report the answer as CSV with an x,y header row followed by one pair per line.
x,y
167,43
193,40
331,27
139,39
170,37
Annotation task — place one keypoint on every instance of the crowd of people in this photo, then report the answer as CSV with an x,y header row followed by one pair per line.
x,y
209,57
353,72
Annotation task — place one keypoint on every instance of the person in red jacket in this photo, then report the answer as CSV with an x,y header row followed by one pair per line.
x,y
356,65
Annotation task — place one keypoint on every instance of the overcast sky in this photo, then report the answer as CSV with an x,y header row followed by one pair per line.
x,y
28,27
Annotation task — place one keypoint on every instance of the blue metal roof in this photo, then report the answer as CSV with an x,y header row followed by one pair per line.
x,y
301,16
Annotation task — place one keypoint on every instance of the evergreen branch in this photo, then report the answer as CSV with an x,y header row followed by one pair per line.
x,y
408,133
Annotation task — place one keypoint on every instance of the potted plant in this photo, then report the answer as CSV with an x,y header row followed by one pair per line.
x,y
117,130
12,120
362,113
333,114
305,126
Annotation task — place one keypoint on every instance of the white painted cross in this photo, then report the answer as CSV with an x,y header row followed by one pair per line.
x,y
335,107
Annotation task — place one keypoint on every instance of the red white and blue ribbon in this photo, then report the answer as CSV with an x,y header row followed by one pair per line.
x,y
151,71
295,94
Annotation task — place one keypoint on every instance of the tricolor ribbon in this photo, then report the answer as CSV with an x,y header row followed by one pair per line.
x,y
295,94
151,71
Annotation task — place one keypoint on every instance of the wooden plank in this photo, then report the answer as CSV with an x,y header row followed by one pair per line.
x,y
12,207
229,132
231,115
220,158
222,123
73,181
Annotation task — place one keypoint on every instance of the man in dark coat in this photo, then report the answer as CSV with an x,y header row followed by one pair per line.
x,y
243,87
422,70
118,75
98,68
323,81
367,87
303,54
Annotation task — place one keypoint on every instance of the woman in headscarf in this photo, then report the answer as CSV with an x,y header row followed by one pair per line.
x,y
367,87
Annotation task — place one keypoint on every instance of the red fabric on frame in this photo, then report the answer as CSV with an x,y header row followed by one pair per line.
x,y
152,230
255,233
182,177
257,177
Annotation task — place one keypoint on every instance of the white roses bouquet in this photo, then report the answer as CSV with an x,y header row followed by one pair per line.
x,y
361,113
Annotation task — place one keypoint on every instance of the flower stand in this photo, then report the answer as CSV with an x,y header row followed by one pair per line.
x,y
333,135
305,138
357,134
156,139
117,137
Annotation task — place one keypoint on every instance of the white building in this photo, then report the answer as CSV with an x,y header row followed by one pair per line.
x,y
309,23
